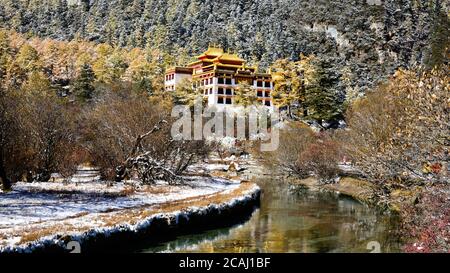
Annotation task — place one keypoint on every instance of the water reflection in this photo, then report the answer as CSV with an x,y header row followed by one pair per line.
x,y
296,222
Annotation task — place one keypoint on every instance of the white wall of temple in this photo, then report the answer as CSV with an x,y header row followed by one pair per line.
x,y
177,79
212,93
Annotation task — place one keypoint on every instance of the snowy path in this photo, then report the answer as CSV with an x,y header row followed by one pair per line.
x,y
86,202
37,202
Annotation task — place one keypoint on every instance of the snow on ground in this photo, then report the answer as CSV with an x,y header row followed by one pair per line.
x,y
91,225
85,201
36,202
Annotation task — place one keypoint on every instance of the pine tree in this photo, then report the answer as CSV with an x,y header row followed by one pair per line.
x,y
84,84
439,41
321,99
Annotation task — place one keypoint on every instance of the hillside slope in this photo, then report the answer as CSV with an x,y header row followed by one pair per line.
x,y
364,40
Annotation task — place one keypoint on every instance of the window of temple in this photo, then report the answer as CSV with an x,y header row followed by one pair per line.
x,y
228,81
267,84
228,101
259,83
267,103
220,91
221,81
220,100
211,81
260,93
229,91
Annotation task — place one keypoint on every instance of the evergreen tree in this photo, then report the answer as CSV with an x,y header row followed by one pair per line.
x,y
439,41
321,99
84,84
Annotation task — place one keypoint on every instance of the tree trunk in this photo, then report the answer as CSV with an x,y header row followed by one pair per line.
x,y
4,181
122,170
120,173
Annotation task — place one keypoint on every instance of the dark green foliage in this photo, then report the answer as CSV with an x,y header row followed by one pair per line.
x,y
439,41
321,98
84,84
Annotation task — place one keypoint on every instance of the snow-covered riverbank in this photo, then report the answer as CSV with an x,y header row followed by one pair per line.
x,y
32,203
37,216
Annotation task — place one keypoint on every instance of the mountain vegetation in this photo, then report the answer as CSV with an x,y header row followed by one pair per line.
x,y
82,80
364,41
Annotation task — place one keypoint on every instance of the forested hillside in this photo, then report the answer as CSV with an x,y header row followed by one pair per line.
x,y
363,40
82,89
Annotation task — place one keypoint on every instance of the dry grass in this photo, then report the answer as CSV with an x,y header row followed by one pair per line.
x,y
158,190
129,190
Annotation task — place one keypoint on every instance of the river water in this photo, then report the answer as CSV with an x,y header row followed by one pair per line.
x,y
297,221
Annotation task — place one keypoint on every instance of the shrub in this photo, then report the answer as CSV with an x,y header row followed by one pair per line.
x,y
400,130
129,134
321,159
428,222
303,153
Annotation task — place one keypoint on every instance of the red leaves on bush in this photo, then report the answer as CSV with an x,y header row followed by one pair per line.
x,y
321,158
429,222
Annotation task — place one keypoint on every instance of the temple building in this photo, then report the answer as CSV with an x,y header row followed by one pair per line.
x,y
217,74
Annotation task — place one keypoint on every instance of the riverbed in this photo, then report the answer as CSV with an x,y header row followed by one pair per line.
x,y
299,222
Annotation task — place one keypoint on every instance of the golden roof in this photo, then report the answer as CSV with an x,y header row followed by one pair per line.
x,y
218,54
229,57
212,51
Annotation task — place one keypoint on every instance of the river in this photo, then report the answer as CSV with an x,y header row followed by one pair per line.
x,y
300,222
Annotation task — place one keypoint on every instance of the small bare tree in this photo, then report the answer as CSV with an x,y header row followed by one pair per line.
x,y
8,127
47,125
131,134
36,131
303,153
